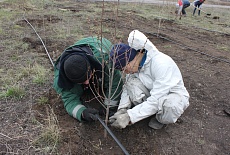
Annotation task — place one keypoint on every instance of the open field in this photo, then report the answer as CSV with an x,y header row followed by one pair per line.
x,y
32,116
209,3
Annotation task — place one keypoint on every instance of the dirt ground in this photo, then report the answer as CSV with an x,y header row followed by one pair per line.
x,y
204,128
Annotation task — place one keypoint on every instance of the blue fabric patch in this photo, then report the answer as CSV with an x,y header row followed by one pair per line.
x,y
143,60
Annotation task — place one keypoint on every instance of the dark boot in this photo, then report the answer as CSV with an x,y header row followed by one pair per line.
x,y
194,12
153,123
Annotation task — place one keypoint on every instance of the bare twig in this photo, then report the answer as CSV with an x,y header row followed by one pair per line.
x,y
40,39
5,136
159,26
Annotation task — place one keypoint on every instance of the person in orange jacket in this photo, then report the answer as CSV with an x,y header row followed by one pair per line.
x,y
183,4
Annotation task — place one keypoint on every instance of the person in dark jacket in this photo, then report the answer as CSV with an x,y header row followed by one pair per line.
x,y
197,5
84,68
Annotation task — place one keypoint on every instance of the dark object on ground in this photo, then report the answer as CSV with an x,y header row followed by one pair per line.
x,y
216,17
153,123
89,114
112,135
227,111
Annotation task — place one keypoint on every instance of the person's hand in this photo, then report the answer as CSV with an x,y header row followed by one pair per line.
x,y
121,120
112,119
89,114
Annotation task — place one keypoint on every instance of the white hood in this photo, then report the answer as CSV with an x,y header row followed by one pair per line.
x,y
138,41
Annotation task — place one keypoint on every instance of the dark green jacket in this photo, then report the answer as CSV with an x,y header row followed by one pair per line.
x,y
71,97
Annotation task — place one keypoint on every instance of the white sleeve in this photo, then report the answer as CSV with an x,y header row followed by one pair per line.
x,y
134,91
125,102
161,86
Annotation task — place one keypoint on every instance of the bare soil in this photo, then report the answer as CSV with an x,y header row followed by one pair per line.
x,y
204,128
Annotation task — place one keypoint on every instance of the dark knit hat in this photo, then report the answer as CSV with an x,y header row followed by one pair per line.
x,y
121,55
77,68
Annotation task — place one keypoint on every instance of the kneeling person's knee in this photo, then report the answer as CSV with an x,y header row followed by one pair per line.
x,y
172,109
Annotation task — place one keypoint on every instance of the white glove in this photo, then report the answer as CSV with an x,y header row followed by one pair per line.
x,y
125,102
121,120
112,119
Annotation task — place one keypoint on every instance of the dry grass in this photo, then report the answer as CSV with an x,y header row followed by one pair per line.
x,y
49,138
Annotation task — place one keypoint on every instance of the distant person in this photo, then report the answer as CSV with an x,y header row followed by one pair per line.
x,y
197,5
83,68
154,85
183,4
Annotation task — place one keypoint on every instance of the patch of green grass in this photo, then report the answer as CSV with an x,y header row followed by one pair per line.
x,y
39,74
25,46
6,14
208,22
119,36
167,46
13,46
16,92
23,72
161,11
105,30
50,135
39,79
20,75
34,120
1,31
10,77
4,79
223,48
201,141
14,57
15,75
43,100
17,27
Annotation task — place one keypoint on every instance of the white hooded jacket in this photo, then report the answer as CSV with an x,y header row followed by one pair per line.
x,y
159,74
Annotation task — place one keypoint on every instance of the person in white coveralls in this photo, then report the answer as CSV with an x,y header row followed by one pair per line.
x,y
154,85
